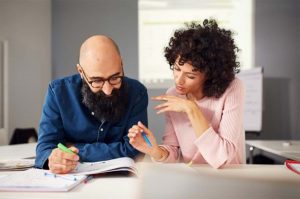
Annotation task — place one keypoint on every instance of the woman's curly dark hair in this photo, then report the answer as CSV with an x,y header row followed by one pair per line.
x,y
210,50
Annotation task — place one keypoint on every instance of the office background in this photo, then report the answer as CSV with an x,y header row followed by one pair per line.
x,y
44,37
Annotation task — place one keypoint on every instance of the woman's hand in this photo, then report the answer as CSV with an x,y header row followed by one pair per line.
x,y
173,103
188,106
138,142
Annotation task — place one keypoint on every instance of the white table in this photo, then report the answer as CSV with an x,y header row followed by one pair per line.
x,y
17,151
289,149
99,187
179,181
102,187
232,182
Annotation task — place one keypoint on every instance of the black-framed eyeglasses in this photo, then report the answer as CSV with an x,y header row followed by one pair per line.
x,y
99,82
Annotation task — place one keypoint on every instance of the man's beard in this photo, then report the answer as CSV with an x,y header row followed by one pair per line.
x,y
108,108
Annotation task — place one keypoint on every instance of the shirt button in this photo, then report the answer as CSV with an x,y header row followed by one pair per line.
x,y
92,113
101,129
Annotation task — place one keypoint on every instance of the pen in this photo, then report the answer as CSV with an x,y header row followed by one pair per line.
x,y
146,139
65,149
192,160
88,178
190,163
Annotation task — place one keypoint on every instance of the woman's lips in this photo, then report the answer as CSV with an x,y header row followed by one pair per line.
x,y
180,88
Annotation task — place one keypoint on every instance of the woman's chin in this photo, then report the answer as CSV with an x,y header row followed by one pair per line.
x,y
180,92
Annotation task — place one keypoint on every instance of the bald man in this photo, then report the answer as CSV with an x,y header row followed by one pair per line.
x,y
90,112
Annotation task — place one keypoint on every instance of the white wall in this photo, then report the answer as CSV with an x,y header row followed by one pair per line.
x,y
277,47
75,20
26,25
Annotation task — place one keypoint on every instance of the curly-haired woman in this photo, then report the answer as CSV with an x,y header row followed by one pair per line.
x,y
204,110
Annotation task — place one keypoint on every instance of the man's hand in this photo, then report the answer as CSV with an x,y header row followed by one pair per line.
x,y
61,162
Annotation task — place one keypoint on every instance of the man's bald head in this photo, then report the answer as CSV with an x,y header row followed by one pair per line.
x,y
98,48
100,59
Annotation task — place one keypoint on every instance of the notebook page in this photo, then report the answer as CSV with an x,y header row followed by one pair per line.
x,y
39,180
118,164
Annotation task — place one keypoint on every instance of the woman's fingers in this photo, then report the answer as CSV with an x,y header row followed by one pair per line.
x,y
133,131
143,127
166,109
160,97
131,134
135,128
161,105
164,98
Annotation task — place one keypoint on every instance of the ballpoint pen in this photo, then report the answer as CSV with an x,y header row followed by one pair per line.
x,y
88,178
146,139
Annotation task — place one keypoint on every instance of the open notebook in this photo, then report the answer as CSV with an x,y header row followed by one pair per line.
x,y
43,180
39,180
118,164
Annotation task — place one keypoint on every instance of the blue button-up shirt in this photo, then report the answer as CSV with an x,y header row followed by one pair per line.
x,y
65,119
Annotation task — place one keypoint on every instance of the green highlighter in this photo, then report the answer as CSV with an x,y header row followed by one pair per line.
x,y
66,149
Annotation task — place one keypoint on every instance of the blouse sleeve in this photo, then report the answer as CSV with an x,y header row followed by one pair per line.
x,y
224,142
170,142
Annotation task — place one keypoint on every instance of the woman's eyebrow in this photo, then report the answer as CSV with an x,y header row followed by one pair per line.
x,y
190,73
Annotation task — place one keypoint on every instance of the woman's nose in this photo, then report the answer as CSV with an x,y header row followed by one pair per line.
x,y
179,79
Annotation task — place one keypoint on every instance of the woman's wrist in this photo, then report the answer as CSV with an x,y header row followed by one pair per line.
x,y
159,154
192,109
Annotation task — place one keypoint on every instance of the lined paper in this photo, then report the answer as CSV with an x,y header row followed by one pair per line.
x,y
39,180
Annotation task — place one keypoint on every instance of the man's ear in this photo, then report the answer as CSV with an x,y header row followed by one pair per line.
x,y
122,66
79,70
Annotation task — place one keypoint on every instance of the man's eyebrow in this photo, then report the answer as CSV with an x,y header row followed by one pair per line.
x,y
96,78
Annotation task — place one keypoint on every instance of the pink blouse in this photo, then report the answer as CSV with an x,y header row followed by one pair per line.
x,y
223,143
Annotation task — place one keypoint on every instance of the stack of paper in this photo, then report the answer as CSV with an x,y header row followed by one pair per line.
x,y
16,164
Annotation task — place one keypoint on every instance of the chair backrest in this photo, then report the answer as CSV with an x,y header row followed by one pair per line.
x,y
244,149
23,135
